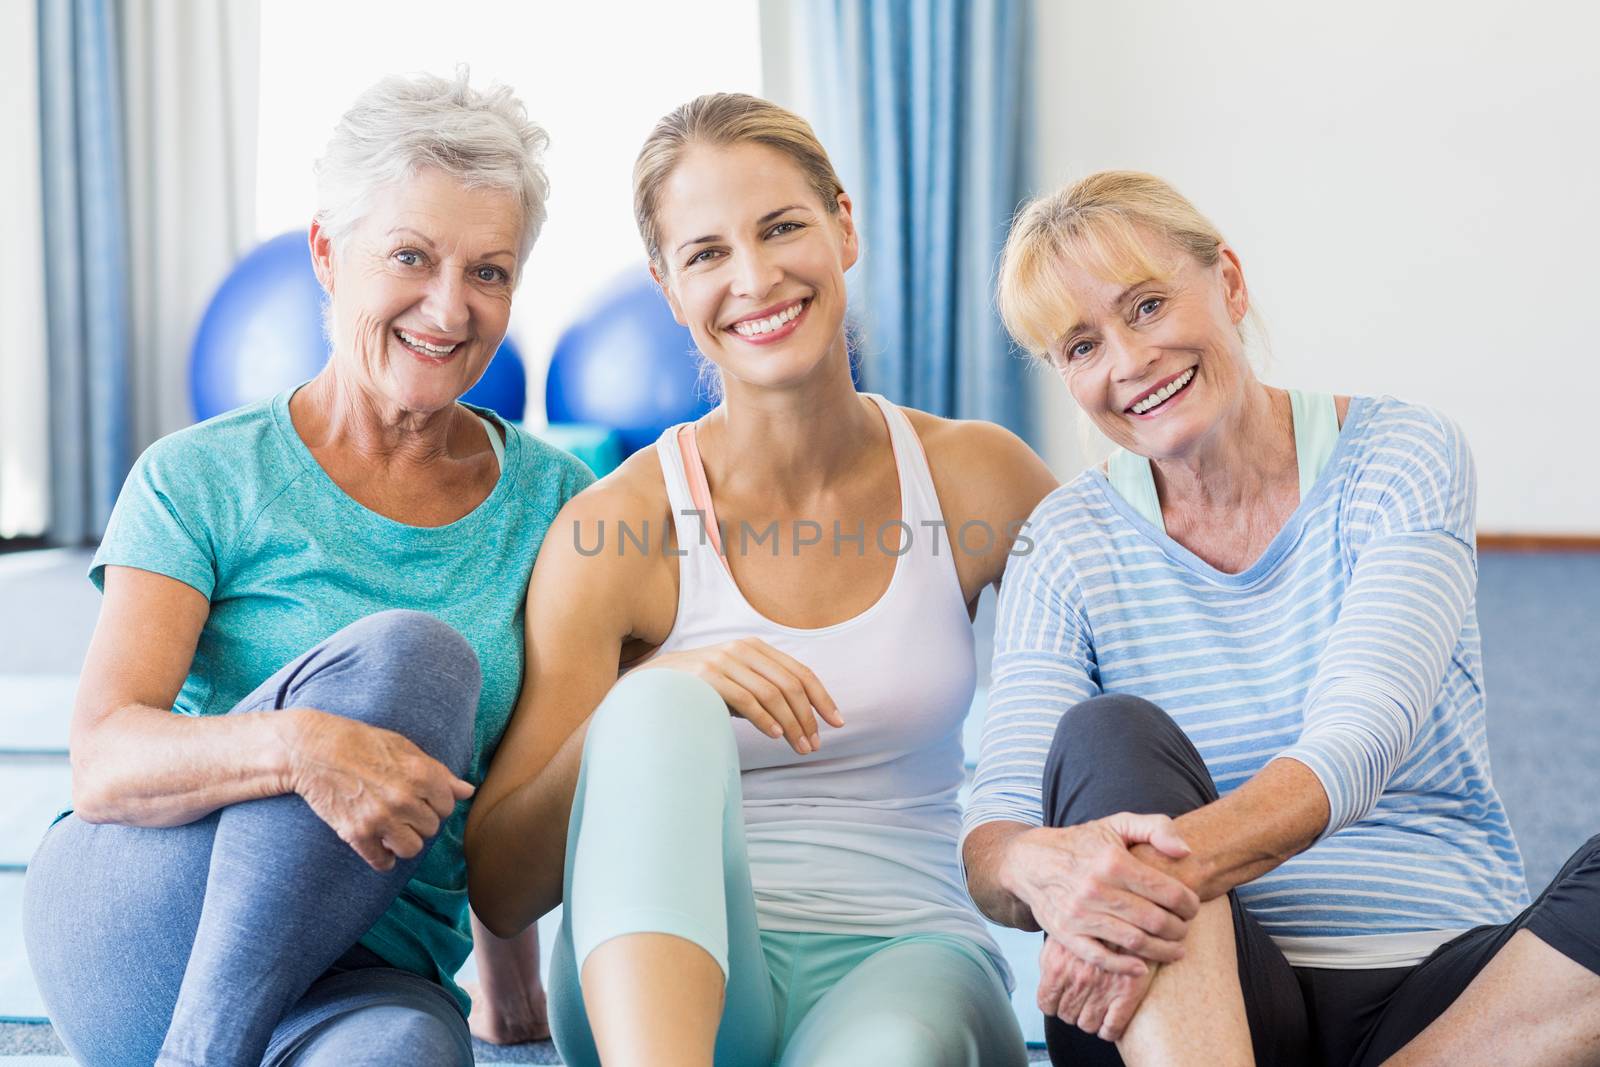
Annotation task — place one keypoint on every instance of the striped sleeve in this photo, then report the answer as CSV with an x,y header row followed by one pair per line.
x,y
1043,665
1413,579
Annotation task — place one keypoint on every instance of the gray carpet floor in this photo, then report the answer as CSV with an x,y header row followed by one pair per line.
x,y
1540,616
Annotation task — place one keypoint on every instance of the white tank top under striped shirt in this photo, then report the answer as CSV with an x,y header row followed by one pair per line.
x,y
860,839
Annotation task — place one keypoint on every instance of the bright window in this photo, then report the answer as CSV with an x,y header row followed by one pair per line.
x,y
596,76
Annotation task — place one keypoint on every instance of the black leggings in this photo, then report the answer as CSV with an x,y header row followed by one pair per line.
x,y
1119,753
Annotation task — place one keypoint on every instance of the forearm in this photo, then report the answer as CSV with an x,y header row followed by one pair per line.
x,y
1275,815
984,854
517,850
146,766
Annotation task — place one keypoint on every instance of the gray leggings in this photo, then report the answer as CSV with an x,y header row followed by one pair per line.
x,y
232,939
1120,753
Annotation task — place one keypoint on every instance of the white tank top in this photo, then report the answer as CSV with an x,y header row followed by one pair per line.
x,y
861,839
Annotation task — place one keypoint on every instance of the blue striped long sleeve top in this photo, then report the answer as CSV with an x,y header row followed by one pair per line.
x,y
1351,645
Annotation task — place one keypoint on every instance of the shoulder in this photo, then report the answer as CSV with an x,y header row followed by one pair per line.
x,y
547,470
237,456
982,465
632,496
1411,470
1400,434
587,568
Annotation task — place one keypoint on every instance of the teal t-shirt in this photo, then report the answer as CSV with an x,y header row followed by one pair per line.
x,y
237,508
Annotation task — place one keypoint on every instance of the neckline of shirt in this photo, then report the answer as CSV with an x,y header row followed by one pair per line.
x,y
465,525
1286,537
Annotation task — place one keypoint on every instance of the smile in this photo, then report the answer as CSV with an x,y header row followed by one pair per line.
x,y
1162,393
423,348
769,327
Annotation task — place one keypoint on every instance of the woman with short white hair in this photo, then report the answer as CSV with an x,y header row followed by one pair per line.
x,y
310,643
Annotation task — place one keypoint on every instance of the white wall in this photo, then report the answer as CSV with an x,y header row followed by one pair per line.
x,y
1412,187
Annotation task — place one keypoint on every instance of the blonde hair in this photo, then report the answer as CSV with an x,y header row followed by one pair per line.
x,y
722,119
1101,224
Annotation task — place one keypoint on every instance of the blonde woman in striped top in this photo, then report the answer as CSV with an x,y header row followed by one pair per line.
x,y
1235,763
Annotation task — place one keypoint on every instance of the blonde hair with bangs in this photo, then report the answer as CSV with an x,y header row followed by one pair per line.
x,y
1098,224
720,120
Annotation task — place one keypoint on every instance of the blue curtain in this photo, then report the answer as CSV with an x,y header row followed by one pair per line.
x,y
922,103
86,264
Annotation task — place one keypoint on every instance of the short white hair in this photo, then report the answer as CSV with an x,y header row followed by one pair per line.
x,y
406,123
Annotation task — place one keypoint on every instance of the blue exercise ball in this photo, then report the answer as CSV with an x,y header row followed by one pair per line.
x,y
627,365
262,333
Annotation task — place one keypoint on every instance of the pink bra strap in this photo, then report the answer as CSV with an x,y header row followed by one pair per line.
x,y
699,490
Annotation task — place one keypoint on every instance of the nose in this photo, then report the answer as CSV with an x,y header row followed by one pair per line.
x,y
445,303
1130,360
755,273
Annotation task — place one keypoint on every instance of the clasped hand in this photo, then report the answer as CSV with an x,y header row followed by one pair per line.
x,y
380,793
1110,919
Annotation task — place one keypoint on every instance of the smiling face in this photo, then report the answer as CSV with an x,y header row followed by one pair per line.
x,y
753,263
421,289
1160,363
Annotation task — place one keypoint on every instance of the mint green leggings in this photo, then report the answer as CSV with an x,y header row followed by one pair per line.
x,y
656,845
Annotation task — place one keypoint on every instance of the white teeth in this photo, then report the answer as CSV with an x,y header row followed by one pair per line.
x,y
1161,395
424,346
756,327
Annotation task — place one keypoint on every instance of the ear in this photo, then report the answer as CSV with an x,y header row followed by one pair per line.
x,y
1234,291
847,224
666,291
322,256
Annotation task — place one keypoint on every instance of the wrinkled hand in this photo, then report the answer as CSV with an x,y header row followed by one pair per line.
x,y
508,1021
777,693
1080,994
1089,892
380,793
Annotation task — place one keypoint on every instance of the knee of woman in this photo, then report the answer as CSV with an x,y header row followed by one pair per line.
x,y
421,679
415,637
1113,726
893,1039
401,1032
664,711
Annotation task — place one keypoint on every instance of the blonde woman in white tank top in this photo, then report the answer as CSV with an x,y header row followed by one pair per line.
x,y
761,865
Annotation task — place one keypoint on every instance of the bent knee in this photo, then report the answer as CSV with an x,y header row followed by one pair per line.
x,y
1121,753
418,677
1111,721
665,712
416,638
895,1039
385,1034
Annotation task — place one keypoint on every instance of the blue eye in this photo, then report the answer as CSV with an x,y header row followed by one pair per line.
x,y
701,256
1150,305
494,274
1079,350
414,260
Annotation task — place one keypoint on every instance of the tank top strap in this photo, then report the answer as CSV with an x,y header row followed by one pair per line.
x,y
1130,475
494,441
1316,434
933,542
692,518
919,501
